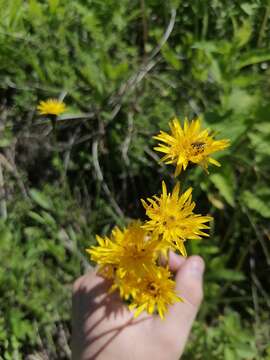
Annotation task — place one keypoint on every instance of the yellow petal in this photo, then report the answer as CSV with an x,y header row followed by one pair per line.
x,y
214,162
164,189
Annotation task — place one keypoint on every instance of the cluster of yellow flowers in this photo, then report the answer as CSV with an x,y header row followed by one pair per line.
x,y
130,257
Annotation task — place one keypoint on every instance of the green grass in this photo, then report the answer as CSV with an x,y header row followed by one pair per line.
x,y
124,69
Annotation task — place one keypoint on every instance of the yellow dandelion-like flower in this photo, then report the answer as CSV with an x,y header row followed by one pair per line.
x,y
188,144
155,292
127,284
107,251
127,250
106,255
139,250
172,218
51,107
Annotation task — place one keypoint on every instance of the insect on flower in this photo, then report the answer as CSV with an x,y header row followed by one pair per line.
x,y
189,144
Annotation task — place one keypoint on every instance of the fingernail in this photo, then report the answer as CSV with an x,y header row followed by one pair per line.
x,y
196,267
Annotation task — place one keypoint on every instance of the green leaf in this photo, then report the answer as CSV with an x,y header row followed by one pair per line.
x,y
227,274
225,186
207,46
259,143
230,354
252,57
53,4
263,127
240,101
215,71
171,57
245,351
175,3
37,217
6,138
41,199
243,34
49,219
5,235
253,202
224,126
35,10
249,8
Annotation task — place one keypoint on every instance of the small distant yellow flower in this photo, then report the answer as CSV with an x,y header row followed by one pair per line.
x,y
129,250
188,144
51,107
155,292
172,218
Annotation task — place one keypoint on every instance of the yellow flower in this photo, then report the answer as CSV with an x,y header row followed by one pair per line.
x,y
155,292
51,107
106,252
126,284
172,218
138,250
188,144
131,249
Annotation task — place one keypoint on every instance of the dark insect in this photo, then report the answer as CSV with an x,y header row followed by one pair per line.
x,y
151,286
198,147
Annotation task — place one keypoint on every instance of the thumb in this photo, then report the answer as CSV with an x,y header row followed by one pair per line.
x,y
189,281
189,286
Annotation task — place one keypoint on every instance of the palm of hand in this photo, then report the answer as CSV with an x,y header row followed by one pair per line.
x,y
104,328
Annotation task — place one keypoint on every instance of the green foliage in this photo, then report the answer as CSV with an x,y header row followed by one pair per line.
x,y
40,251
122,82
226,339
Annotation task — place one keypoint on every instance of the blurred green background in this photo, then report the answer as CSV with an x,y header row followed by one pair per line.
x,y
125,68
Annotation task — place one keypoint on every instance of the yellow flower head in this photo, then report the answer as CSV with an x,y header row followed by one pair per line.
x,y
138,250
155,292
188,144
131,249
127,284
172,218
51,107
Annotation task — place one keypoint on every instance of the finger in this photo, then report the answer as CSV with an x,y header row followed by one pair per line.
x,y
175,261
189,280
180,316
189,286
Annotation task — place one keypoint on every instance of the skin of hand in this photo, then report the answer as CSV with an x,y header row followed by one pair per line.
x,y
105,329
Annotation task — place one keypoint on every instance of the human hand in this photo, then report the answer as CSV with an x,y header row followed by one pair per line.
x,y
104,328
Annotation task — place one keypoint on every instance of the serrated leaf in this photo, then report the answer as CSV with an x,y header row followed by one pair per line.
x,y
252,57
225,186
253,202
